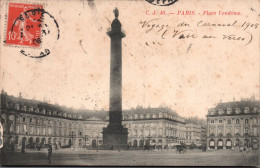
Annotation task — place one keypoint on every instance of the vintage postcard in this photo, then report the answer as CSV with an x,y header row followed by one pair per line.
x,y
129,82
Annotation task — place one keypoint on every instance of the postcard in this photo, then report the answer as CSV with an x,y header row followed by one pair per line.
x,y
129,83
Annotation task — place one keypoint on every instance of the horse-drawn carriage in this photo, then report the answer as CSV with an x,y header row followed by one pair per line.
x,y
181,148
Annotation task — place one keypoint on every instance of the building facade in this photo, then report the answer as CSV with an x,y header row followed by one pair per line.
x,y
29,123
156,127
234,124
193,134
32,123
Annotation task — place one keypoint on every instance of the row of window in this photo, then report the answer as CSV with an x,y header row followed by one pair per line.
x,y
237,121
237,111
43,111
38,121
31,130
154,115
254,131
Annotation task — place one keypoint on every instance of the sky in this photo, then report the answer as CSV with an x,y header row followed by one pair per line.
x,y
188,75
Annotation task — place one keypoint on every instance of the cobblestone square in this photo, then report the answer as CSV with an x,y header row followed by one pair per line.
x,y
133,158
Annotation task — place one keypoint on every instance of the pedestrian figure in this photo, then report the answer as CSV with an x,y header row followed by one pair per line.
x,y
12,147
244,150
56,146
23,147
49,152
111,148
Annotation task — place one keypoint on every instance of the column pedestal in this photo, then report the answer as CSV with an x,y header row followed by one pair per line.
x,y
116,137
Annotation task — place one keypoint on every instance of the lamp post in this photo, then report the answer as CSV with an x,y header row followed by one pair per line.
x,y
97,144
238,141
148,145
251,140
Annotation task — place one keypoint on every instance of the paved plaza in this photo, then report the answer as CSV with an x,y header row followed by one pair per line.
x,y
131,158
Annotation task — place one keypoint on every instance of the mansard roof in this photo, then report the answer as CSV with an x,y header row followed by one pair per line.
x,y
9,102
238,104
253,105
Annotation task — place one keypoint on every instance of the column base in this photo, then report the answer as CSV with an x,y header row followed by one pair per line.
x,y
115,138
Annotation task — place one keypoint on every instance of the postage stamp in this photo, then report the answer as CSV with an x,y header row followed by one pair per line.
x,y
24,24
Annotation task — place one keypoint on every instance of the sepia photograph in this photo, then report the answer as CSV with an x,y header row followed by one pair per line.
x,y
129,83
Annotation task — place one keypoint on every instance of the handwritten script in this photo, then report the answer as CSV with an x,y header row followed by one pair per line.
x,y
239,31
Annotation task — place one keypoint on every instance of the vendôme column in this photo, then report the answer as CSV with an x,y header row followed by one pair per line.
x,y
115,135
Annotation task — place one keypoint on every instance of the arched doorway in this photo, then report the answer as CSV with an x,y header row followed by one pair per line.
x,y
43,142
255,143
212,144
49,140
70,142
237,143
94,143
228,144
135,143
60,140
65,142
37,140
30,140
141,143
30,143
246,143
220,144
147,142
23,143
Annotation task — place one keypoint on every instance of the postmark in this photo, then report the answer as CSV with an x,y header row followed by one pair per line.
x,y
162,2
29,26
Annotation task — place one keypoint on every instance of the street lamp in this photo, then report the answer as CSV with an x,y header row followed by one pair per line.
x,y
251,143
97,143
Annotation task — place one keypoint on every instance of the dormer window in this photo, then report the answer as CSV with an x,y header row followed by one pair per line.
x,y
7,105
154,115
141,116
17,107
136,116
221,112
24,108
64,114
59,114
246,110
55,113
126,117
212,112
37,110
130,117
237,110
80,117
49,112
31,109
229,110
148,115
160,115
255,109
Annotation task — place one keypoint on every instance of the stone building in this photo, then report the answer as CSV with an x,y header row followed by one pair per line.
x,y
193,132
156,127
196,131
32,123
234,124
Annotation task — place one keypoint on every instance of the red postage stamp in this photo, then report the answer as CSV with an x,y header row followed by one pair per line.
x,y
24,24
